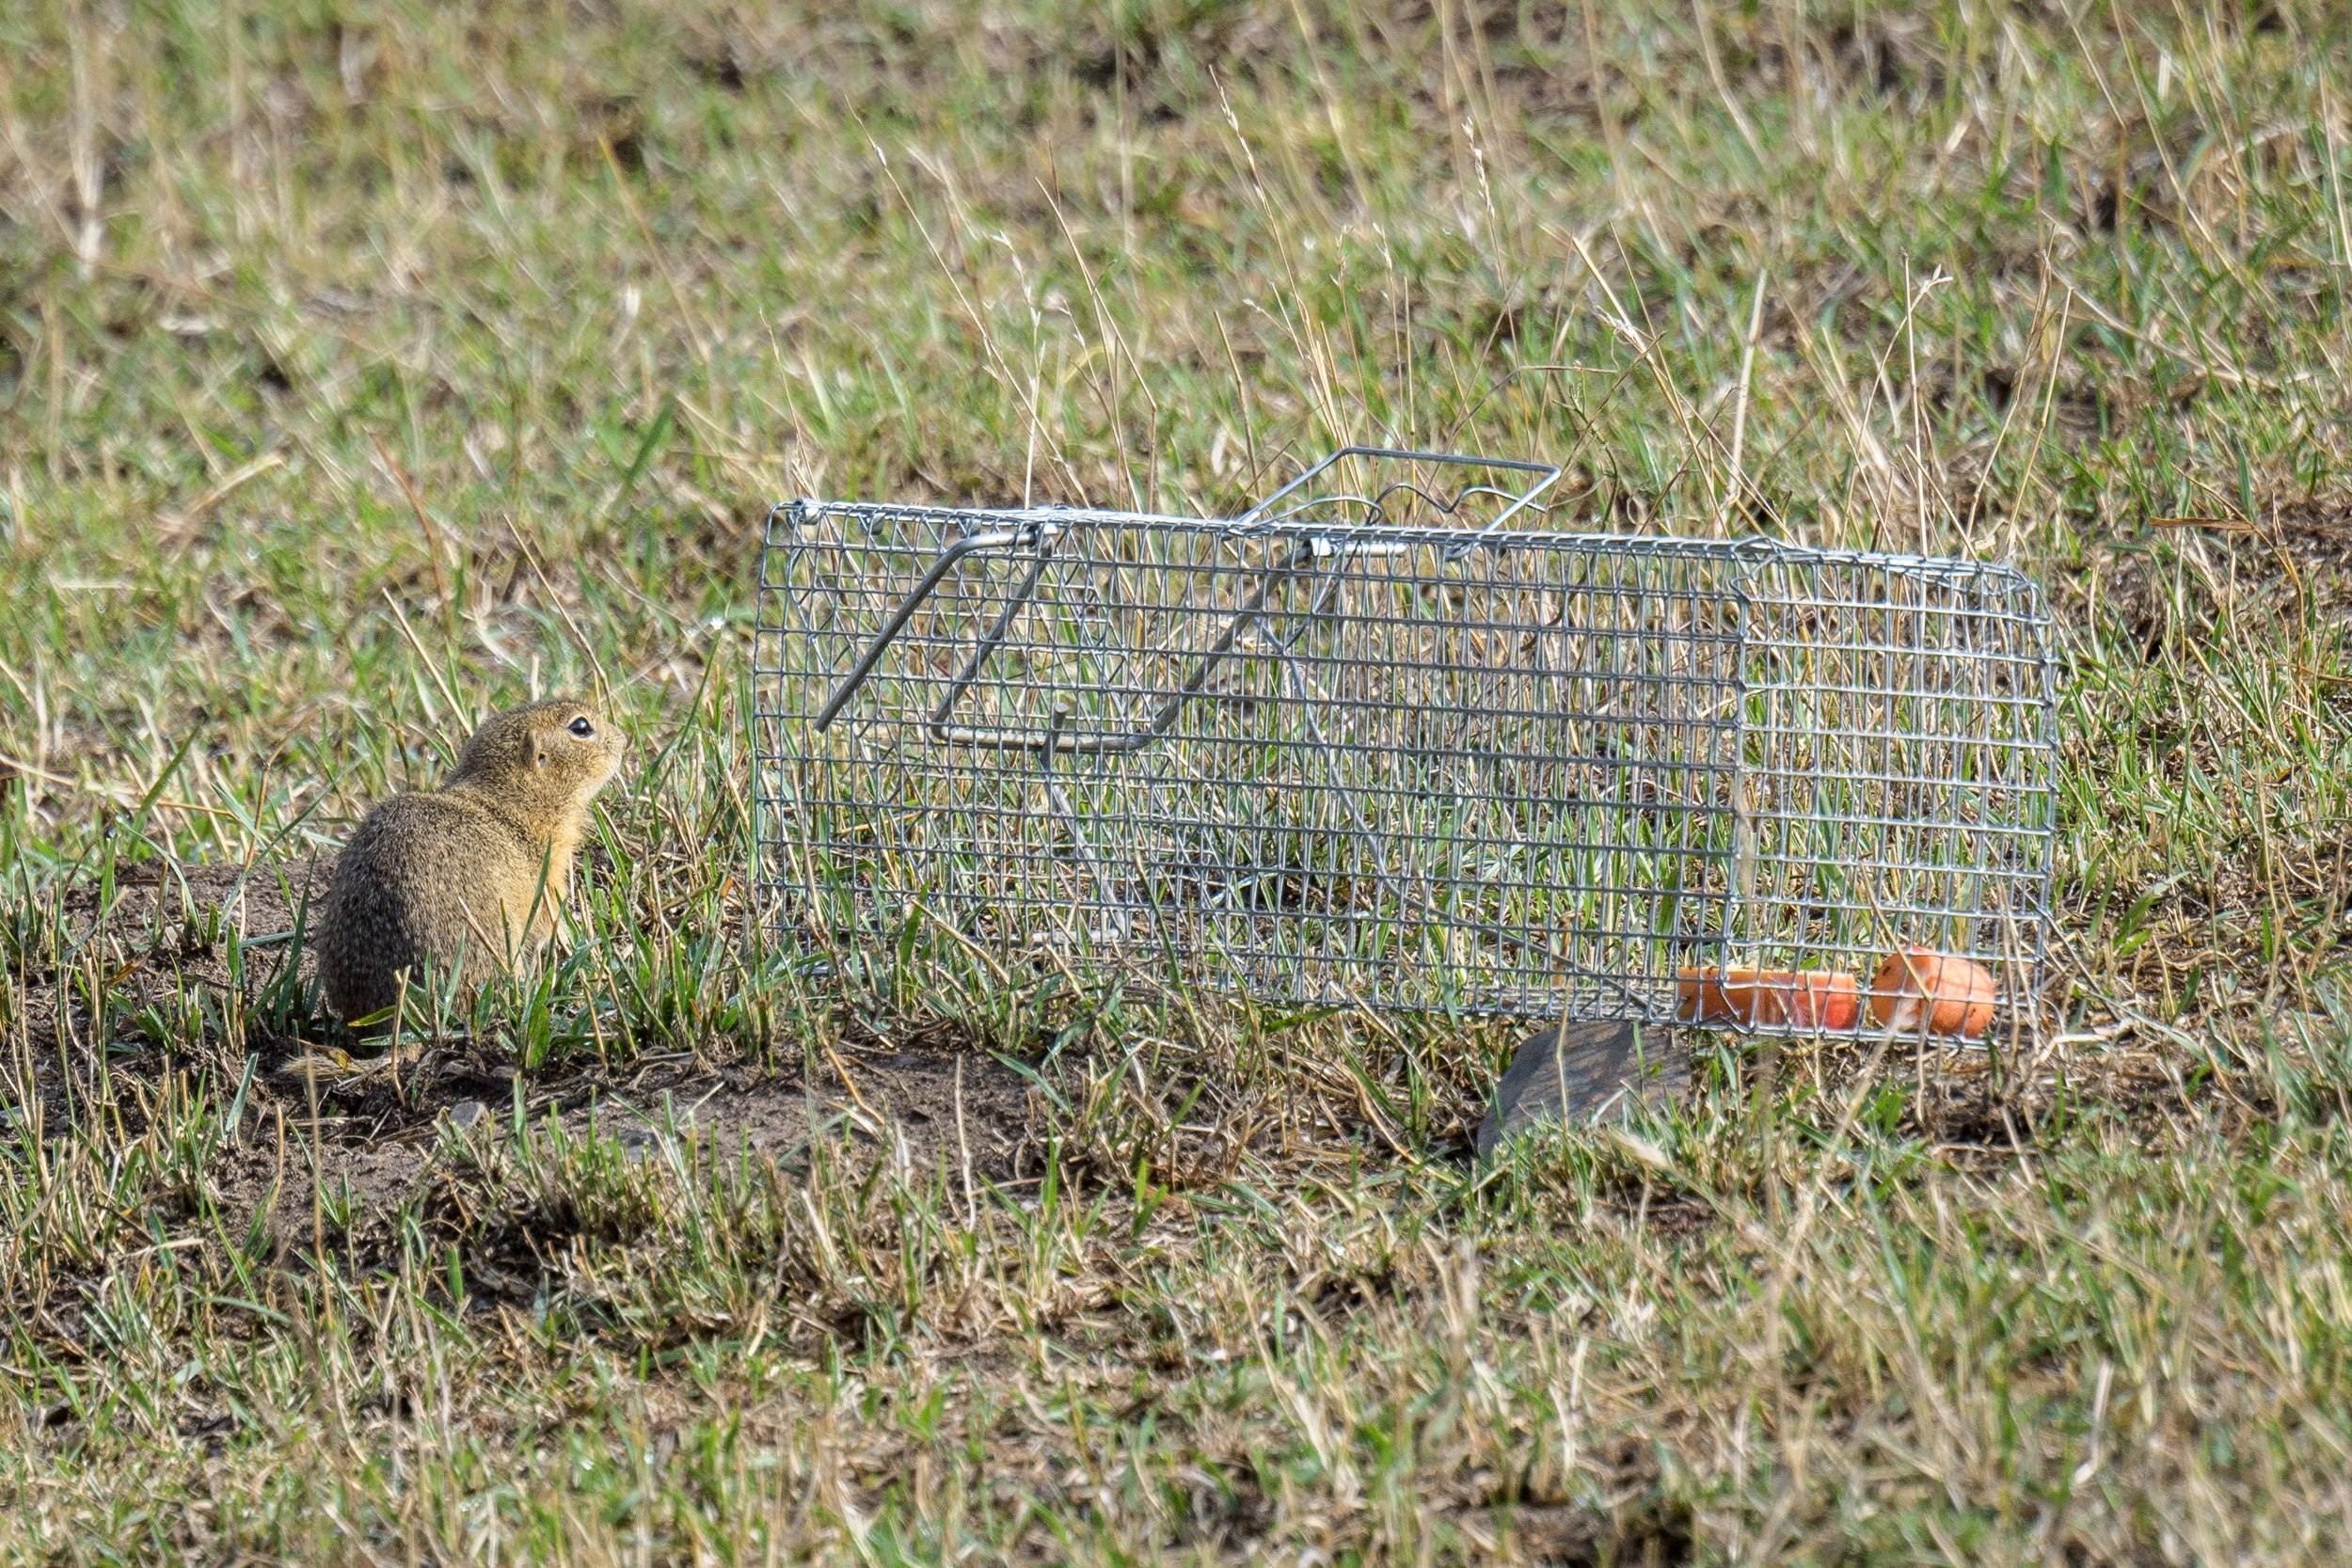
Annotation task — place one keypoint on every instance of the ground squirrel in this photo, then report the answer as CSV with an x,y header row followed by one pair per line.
x,y
469,875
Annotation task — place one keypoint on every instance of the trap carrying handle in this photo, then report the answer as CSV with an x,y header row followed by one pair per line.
x,y
1164,717
1520,499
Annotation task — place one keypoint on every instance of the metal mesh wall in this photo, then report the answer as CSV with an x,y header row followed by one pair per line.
x,y
1895,764
1406,766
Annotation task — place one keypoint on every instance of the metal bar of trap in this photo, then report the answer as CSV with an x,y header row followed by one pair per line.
x,y
1164,717
1161,721
1551,472
890,629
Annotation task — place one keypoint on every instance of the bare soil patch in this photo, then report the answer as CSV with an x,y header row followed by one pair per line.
x,y
377,1124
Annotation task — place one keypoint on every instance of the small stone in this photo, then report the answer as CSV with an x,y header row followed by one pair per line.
x,y
1581,1071
466,1113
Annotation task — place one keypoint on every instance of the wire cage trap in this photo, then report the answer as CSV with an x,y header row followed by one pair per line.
x,y
1398,744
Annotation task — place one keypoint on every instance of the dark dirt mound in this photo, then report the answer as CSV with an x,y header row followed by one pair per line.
x,y
969,1114
377,1123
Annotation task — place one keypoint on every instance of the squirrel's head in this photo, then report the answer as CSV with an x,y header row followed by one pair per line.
x,y
554,756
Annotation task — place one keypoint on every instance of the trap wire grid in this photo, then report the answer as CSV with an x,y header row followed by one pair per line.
x,y
1400,746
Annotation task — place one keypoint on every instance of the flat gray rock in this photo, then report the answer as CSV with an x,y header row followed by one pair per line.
x,y
1578,1072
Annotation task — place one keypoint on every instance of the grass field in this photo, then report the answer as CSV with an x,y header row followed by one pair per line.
x,y
365,366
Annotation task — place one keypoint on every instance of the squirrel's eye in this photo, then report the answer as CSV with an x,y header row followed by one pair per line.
x,y
581,728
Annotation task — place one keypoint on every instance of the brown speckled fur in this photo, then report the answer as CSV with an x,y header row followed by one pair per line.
x,y
468,874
